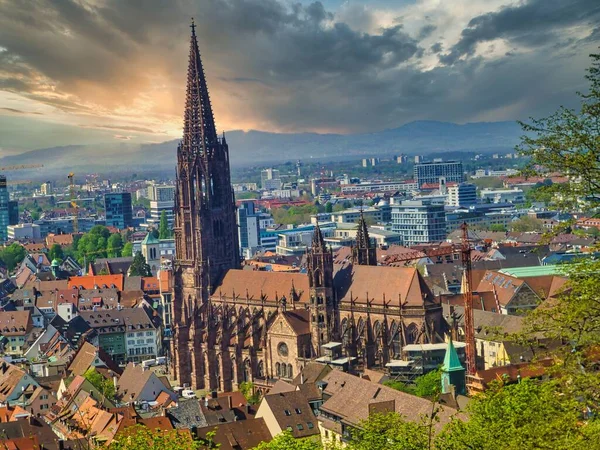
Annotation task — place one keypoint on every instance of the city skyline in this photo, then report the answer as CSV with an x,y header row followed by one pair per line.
x,y
92,72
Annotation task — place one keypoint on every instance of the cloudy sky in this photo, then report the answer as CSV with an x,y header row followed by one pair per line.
x,y
90,71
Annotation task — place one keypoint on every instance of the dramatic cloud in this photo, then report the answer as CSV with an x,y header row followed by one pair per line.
x,y
120,66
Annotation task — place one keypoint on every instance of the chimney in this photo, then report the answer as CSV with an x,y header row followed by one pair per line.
x,y
213,394
301,377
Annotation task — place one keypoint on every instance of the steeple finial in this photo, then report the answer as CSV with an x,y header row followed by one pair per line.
x,y
193,27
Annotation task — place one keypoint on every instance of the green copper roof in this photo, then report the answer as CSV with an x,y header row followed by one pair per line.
x,y
522,272
150,239
451,361
55,263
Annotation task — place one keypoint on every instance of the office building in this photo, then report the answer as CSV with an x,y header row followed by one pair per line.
x,y
461,194
117,207
248,228
3,209
13,212
502,195
24,231
162,198
419,221
46,188
270,179
431,172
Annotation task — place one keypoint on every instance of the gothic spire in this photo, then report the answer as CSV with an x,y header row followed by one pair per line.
x,y
199,124
318,243
362,235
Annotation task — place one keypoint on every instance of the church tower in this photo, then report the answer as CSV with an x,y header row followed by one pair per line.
x,y
206,237
322,301
364,252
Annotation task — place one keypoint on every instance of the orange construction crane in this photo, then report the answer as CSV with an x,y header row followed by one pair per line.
x,y
74,204
21,167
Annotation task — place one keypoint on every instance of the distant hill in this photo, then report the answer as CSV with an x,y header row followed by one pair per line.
x,y
257,147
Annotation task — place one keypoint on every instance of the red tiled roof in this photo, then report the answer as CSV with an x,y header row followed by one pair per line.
x,y
91,281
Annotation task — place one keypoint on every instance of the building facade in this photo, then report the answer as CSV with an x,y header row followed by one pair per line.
x,y
419,221
461,194
117,207
249,228
431,172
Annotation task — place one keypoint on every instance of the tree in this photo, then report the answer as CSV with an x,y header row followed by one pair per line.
x,y
497,227
56,252
12,255
139,437
247,390
389,432
526,223
114,245
328,207
525,415
567,143
427,385
105,386
285,441
139,267
127,249
163,228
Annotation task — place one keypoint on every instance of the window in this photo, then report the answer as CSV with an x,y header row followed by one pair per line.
x,y
44,397
149,341
148,333
282,349
130,334
300,427
43,406
310,425
298,411
140,333
287,412
130,342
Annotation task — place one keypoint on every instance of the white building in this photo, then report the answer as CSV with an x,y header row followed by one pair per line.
x,y
24,231
502,195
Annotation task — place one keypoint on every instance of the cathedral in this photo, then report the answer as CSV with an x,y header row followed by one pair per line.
x,y
232,325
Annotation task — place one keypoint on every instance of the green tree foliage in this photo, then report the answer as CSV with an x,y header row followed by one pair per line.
x,y
138,437
114,245
389,432
285,441
12,255
497,227
247,390
105,386
163,230
127,249
328,207
568,142
527,223
526,415
56,252
97,243
139,267
427,385
295,215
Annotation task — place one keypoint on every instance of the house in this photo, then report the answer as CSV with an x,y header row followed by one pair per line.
x,y
138,384
288,411
64,240
97,281
37,400
32,433
15,331
508,374
513,295
349,400
240,435
127,334
89,356
13,381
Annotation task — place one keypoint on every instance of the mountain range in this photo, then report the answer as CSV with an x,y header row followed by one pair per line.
x,y
258,147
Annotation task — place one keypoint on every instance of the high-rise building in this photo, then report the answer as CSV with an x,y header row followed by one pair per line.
x,y
461,194
419,221
118,211
248,227
270,179
46,188
206,235
4,222
431,172
162,198
13,212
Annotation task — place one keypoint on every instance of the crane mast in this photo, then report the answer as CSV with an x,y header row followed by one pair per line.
x,y
468,296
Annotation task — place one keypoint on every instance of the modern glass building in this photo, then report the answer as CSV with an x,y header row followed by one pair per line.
x,y
419,221
431,172
118,210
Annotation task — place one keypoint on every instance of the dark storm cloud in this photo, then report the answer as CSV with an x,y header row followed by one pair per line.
x,y
288,66
531,23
